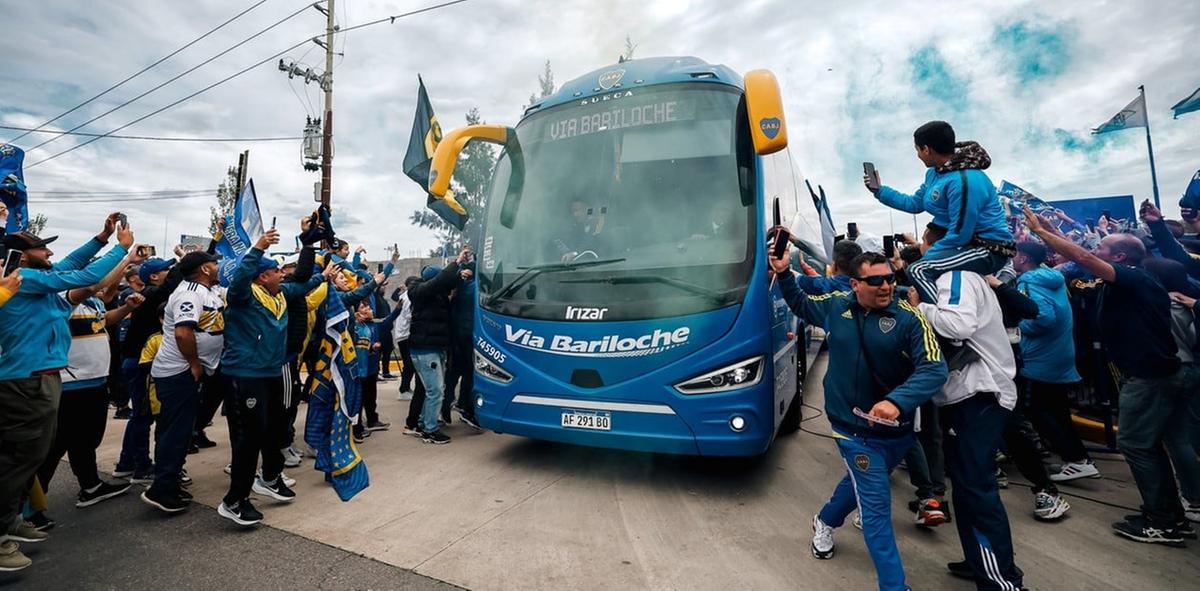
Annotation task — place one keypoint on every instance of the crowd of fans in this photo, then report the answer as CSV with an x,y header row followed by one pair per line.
x,y
170,342
970,345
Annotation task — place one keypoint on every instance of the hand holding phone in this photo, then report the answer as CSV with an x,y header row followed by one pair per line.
x,y
871,177
12,262
781,242
146,251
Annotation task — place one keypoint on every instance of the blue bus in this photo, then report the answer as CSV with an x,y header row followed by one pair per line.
x,y
624,299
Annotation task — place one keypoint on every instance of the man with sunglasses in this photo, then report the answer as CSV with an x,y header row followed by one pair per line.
x,y
884,362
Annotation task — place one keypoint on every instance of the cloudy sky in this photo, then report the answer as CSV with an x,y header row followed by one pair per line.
x,y
1025,79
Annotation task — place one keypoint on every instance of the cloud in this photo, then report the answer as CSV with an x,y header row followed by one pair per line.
x,y
1026,79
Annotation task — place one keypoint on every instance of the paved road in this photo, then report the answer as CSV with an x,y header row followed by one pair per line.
x,y
500,512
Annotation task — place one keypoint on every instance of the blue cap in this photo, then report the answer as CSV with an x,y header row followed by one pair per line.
x,y
152,266
429,272
266,264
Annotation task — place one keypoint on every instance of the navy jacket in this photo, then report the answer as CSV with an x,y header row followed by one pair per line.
x,y
903,352
256,323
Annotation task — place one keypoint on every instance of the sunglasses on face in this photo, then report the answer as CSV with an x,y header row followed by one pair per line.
x,y
877,280
1187,213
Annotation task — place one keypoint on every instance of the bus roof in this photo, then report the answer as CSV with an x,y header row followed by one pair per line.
x,y
635,73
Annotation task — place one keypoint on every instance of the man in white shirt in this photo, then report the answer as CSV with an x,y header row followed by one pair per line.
x,y
193,323
975,406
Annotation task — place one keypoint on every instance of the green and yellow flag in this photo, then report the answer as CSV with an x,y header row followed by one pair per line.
x,y
426,133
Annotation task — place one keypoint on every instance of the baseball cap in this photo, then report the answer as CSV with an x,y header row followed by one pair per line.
x,y
192,261
152,266
266,264
25,241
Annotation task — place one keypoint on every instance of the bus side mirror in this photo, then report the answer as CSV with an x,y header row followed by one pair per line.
x,y
445,157
764,104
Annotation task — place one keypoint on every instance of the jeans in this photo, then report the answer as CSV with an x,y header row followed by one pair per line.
x,y
978,424
925,272
28,408
431,368
1178,438
178,397
135,444
254,410
869,463
1149,407
82,416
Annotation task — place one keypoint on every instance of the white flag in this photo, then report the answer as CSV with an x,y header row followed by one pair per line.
x,y
1133,115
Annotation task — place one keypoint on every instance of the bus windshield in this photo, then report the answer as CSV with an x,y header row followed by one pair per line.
x,y
640,204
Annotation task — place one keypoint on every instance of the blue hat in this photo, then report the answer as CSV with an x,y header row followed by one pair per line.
x,y
266,264
152,266
429,272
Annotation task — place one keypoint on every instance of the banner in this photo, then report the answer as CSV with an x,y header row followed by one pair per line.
x,y
1133,115
12,187
422,143
334,403
1187,105
1021,196
242,227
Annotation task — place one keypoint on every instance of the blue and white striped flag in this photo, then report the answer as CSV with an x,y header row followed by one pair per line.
x,y
1133,115
242,227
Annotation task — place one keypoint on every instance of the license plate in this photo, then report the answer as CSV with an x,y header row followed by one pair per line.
x,y
576,419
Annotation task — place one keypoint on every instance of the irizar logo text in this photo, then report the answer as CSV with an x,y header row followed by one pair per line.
x,y
574,313
607,346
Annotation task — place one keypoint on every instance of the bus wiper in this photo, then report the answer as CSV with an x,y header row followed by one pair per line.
x,y
711,294
533,271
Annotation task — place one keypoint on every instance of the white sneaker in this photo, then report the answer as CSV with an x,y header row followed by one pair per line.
x,y
291,458
229,468
822,540
1191,510
288,480
1075,470
856,521
1048,507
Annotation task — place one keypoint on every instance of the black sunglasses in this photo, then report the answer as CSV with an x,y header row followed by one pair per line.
x,y
877,280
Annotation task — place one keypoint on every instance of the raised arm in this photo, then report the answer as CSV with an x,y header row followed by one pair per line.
x,y
894,199
54,281
1165,241
1068,249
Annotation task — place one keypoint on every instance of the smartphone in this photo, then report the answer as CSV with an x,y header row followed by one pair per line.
x,y
272,222
379,267
889,246
12,261
872,176
122,220
146,251
852,231
781,242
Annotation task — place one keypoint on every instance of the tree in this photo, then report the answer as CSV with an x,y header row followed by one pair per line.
x,y
469,185
37,224
630,47
226,198
545,86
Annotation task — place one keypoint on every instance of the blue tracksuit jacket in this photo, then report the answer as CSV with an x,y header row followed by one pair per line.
x,y
903,352
941,196
256,323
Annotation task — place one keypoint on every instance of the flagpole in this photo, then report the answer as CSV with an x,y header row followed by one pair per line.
x,y
1150,148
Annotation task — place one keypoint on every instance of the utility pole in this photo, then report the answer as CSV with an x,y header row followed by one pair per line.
x,y
327,84
325,79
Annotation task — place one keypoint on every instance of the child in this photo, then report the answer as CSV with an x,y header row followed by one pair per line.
x,y
961,199
366,346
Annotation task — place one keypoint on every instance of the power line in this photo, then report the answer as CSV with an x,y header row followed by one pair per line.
x,y
117,193
390,19
178,76
93,200
139,72
28,130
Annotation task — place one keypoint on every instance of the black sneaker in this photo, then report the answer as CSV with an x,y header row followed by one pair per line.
x,y
1183,527
276,490
193,448
41,521
164,503
961,569
101,492
436,438
122,472
1139,529
241,513
123,413
358,433
378,426
185,495
470,421
184,478
142,475
202,441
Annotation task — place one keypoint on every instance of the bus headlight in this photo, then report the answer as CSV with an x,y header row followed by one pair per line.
x,y
487,369
731,377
